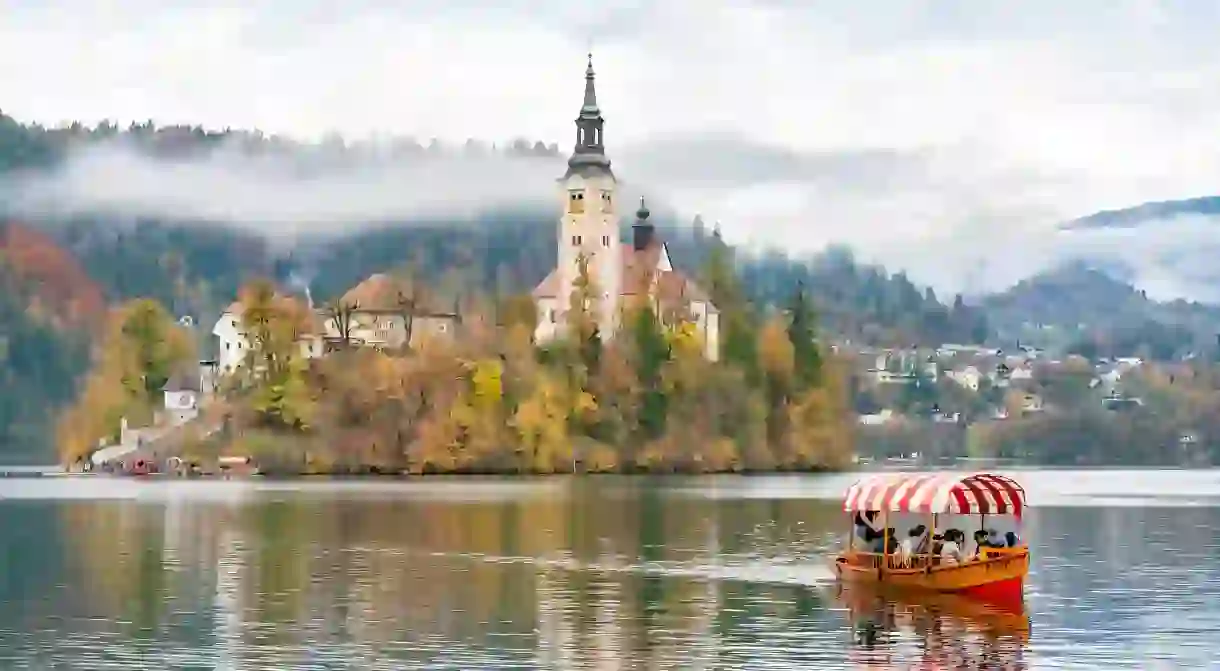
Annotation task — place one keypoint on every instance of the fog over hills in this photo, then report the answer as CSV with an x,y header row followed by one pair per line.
x,y
758,194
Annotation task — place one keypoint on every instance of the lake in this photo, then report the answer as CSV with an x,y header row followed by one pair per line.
x,y
563,573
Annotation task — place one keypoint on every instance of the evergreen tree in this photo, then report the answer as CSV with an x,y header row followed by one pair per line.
x,y
802,333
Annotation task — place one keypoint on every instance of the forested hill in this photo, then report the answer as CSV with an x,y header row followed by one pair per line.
x,y
195,267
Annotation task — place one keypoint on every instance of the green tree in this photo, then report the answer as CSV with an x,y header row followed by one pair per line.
x,y
802,333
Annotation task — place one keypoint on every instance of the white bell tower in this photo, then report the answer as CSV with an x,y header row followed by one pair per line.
x,y
589,224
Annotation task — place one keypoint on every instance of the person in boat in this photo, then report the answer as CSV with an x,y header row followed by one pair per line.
x,y
951,549
1011,539
915,543
980,542
890,541
867,531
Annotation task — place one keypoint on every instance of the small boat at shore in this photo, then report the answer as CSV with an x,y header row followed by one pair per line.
x,y
992,573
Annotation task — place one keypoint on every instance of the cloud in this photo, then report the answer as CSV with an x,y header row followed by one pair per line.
x,y
946,140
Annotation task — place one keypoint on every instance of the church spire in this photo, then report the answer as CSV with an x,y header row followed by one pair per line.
x,y
590,149
643,232
590,105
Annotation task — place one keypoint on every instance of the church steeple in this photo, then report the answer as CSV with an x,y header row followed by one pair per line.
x,y
643,232
590,150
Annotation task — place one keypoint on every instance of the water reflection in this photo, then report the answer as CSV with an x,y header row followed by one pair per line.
x,y
618,574
941,631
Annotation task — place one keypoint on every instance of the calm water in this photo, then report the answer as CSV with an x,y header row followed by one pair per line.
x,y
712,573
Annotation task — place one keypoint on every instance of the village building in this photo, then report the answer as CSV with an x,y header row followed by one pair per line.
x,y
182,395
389,312
588,234
233,345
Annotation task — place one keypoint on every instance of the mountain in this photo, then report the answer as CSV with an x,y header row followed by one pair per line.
x,y
1087,309
1141,214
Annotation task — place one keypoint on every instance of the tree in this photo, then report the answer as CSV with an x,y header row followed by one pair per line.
x,y
584,315
738,341
151,336
651,350
340,313
802,333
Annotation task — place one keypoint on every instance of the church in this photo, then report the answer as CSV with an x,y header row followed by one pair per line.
x,y
589,230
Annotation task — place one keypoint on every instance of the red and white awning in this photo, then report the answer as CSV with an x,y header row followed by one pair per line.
x,y
973,494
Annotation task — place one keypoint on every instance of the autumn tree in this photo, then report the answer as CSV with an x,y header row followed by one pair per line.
x,y
584,316
340,313
141,347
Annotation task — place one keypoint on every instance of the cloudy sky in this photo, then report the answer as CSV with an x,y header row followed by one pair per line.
x,y
918,131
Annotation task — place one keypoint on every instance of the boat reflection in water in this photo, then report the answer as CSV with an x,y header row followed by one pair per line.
x,y
892,630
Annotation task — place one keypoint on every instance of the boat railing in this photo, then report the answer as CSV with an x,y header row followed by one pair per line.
x,y
893,561
875,560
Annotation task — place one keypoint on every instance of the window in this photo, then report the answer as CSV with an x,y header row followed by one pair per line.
x,y
552,315
442,327
607,201
605,241
576,202
228,345
575,240
239,345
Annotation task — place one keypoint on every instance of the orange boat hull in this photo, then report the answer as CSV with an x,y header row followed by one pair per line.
x,y
998,578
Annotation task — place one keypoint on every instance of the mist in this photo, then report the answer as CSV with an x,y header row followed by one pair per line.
x,y
910,211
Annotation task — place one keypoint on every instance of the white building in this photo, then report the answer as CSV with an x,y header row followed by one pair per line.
x,y
233,345
589,231
968,377
182,395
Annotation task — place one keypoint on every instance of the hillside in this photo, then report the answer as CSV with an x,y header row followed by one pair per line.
x,y
1147,212
48,307
1079,306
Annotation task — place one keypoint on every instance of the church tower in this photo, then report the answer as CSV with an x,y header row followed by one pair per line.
x,y
588,228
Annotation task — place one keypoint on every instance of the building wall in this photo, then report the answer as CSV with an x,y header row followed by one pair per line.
x,y
389,330
549,319
589,226
232,346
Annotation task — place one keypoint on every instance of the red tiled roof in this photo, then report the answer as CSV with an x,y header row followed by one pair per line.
x,y
639,273
382,292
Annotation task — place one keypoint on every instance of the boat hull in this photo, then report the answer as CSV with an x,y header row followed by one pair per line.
x,y
999,578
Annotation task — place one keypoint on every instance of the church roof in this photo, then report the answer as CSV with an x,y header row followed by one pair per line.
x,y
639,270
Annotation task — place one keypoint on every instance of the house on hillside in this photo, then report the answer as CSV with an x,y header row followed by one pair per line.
x,y
968,377
385,311
589,234
233,346
182,396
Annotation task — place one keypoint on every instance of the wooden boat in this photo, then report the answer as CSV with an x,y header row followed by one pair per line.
x,y
996,575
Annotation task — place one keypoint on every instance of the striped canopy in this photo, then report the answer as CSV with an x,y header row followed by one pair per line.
x,y
972,494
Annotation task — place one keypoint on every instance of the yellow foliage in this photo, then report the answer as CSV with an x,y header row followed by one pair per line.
x,y
488,400
775,350
685,338
140,349
488,381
